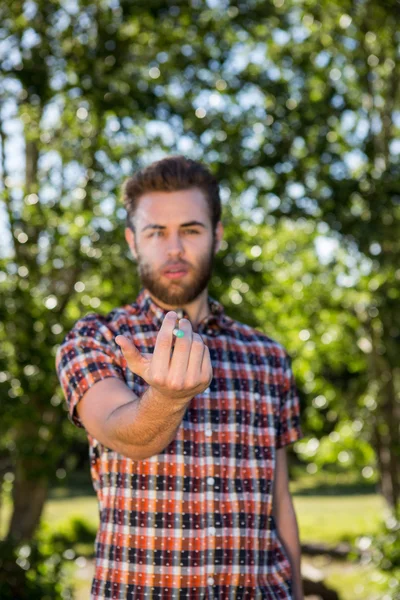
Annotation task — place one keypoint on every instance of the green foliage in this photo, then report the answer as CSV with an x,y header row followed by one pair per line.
x,y
32,571
295,108
386,551
342,448
75,531
41,569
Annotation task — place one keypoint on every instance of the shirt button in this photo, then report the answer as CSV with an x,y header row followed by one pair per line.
x,y
210,581
211,530
209,331
208,432
257,396
210,480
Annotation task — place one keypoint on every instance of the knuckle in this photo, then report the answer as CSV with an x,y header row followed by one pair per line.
x,y
191,383
175,385
158,379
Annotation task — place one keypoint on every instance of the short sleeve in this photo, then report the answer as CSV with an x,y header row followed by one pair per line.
x,y
288,421
84,357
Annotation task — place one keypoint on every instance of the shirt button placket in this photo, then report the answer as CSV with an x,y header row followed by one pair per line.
x,y
211,531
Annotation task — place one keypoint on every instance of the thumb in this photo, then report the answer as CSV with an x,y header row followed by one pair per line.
x,y
136,362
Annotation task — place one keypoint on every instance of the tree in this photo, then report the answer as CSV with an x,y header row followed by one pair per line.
x,y
294,108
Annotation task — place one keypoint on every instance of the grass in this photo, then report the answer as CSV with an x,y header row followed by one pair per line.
x,y
350,581
60,510
330,509
328,519
337,519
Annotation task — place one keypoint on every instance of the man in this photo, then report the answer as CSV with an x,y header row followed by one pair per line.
x,y
187,434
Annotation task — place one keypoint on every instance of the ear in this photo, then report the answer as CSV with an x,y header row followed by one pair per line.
x,y
130,238
219,232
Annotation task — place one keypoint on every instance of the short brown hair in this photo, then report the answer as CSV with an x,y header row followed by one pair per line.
x,y
171,174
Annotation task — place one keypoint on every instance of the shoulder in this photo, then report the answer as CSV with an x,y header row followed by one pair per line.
x,y
104,324
97,330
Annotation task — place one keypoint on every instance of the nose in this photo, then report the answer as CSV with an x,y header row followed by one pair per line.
x,y
174,244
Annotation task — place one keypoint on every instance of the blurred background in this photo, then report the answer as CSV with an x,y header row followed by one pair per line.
x,y
294,105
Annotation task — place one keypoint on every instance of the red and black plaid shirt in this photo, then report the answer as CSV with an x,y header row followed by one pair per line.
x,y
194,521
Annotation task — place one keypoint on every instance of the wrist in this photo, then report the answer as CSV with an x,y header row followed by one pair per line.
x,y
178,404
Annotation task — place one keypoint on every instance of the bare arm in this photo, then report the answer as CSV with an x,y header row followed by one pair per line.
x,y
142,427
135,427
286,521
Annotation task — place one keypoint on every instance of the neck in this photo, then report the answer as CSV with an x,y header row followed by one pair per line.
x,y
197,310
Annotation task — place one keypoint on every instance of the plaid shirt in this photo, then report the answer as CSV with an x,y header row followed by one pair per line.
x,y
194,521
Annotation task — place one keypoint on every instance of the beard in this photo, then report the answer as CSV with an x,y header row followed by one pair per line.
x,y
177,292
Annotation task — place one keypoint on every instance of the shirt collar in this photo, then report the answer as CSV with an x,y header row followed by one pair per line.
x,y
212,324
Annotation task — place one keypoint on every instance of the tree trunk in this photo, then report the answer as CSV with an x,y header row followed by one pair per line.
x,y
385,485
390,409
31,166
29,495
30,487
386,422
318,589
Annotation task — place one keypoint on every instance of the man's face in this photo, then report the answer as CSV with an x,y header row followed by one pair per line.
x,y
172,229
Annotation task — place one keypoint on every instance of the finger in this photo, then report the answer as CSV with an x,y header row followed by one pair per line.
x,y
135,360
206,365
180,357
197,349
163,346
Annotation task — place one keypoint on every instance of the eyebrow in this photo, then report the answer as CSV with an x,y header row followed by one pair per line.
x,y
189,224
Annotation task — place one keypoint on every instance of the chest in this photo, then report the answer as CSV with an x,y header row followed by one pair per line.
x,y
237,413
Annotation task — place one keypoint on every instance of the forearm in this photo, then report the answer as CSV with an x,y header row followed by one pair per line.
x,y
145,426
288,531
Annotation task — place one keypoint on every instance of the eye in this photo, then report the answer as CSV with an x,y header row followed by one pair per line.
x,y
155,233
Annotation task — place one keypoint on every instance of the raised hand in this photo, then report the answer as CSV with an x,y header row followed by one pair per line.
x,y
178,377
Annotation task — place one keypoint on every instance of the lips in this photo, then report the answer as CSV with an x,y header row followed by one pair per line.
x,y
175,269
